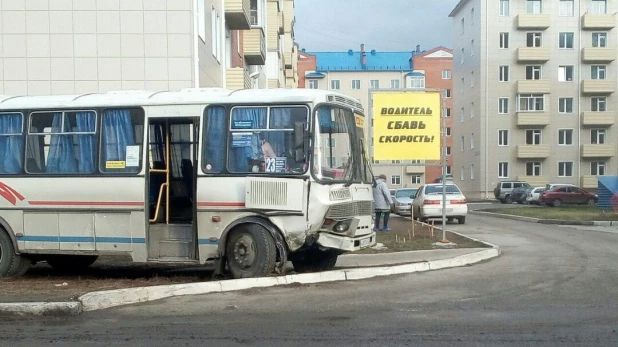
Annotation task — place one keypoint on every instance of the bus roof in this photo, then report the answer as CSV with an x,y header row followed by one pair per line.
x,y
183,96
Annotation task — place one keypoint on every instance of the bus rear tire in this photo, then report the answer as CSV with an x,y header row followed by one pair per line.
x,y
71,262
250,251
11,264
314,260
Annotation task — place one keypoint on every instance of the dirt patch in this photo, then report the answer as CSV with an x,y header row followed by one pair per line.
x,y
404,238
570,213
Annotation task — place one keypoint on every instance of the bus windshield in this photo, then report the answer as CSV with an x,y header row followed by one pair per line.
x,y
333,150
365,175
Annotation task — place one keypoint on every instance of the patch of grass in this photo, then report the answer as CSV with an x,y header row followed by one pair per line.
x,y
401,239
572,213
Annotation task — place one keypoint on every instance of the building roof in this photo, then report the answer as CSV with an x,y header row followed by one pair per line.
x,y
458,7
313,74
376,61
438,52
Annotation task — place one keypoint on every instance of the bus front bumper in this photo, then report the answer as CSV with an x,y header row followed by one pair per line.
x,y
346,243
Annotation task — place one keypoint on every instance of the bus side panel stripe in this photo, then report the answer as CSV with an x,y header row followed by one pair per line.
x,y
86,203
69,239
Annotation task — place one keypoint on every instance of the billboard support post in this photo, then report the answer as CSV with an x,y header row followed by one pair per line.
x,y
444,165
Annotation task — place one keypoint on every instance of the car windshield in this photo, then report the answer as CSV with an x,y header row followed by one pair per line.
x,y
405,193
437,189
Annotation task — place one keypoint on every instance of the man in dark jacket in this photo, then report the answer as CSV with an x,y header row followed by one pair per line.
x,y
382,201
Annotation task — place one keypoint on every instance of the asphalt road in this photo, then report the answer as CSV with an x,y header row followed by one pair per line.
x,y
552,286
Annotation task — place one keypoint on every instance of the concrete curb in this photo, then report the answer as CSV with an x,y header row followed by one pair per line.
x,y
546,221
70,308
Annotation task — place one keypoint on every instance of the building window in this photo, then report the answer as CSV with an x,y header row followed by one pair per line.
x,y
201,16
415,179
449,170
463,25
462,115
565,137
533,6
395,180
446,74
503,137
335,84
503,105
503,169
472,141
416,81
504,40
313,84
463,53
504,73
374,84
566,8
599,39
462,142
472,48
565,105
448,93
565,169
565,40
597,136
597,168
462,173
598,72
463,85
356,84
533,168
598,104
598,7
471,171
504,8
565,73
531,102
396,161
447,151
472,109
472,79
331,143
447,113
533,72
533,136
216,34
534,39
448,131
472,16
395,84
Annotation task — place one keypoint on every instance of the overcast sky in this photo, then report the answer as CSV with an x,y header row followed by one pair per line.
x,y
383,25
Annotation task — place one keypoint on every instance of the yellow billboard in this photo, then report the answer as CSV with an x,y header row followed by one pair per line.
x,y
406,125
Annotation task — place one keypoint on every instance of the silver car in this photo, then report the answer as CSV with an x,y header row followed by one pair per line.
x,y
403,200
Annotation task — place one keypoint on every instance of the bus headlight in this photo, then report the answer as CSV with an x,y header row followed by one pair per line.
x,y
341,227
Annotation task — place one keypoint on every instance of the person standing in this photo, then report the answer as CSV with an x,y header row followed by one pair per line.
x,y
382,202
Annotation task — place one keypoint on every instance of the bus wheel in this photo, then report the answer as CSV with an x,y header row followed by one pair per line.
x,y
11,264
71,262
313,260
250,251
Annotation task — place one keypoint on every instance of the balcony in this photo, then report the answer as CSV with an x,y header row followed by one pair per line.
x,y
598,86
532,118
288,9
237,78
532,151
595,118
237,15
532,54
535,181
280,21
588,181
532,21
254,46
415,169
598,54
273,83
533,87
598,21
598,151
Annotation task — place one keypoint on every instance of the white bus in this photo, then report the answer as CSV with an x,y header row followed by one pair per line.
x,y
248,179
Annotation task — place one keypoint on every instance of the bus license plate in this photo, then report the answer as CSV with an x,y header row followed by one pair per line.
x,y
365,242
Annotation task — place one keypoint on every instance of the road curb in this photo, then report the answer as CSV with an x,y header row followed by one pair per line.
x,y
71,308
120,297
545,221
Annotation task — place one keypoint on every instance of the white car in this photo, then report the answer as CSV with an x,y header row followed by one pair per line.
x,y
427,203
534,194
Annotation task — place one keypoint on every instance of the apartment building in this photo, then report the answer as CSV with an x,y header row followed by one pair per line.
x,y
536,83
88,46
355,73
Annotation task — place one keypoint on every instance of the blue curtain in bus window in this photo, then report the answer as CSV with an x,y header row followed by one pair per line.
x,y
214,150
11,143
324,118
280,118
246,147
118,133
85,143
61,156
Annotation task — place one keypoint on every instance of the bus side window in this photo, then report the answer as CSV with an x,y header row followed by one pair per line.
x,y
122,136
213,159
11,143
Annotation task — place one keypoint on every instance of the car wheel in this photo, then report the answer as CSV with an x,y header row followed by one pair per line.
x,y
450,219
423,219
591,201
461,220
557,203
508,199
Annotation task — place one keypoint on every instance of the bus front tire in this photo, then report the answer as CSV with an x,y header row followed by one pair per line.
x,y
313,260
250,251
71,262
11,264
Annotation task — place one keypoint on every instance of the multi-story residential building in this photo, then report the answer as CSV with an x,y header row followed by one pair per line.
x,y
536,80
84,46
355,73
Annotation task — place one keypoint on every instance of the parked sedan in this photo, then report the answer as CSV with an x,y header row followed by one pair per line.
x,y
560,195
403,200
519,194
428,203
534,195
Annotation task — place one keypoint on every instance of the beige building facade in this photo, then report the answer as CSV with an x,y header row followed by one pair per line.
x,y
535,85
89,46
